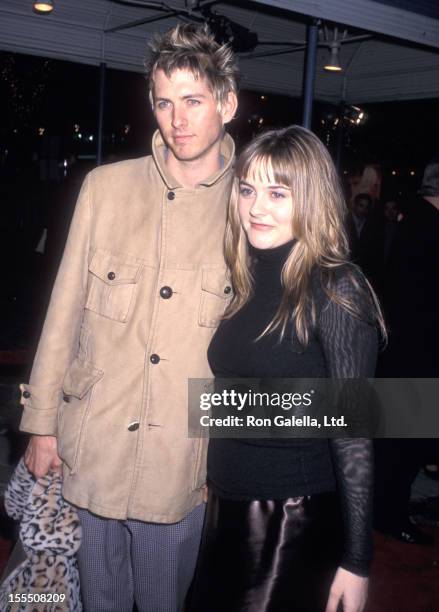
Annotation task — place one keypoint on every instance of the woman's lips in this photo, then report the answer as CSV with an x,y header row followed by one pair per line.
x,y
261,227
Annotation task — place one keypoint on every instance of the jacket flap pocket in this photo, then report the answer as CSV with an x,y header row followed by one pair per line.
x,y
215,281
112,269
80,378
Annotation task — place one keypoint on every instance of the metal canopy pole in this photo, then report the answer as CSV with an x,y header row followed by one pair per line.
x,y
309,73
102,79
102,75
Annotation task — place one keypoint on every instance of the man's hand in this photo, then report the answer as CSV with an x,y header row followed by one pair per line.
x,y
350,589
42,455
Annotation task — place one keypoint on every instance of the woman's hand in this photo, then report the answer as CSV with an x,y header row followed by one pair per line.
x,y
349,589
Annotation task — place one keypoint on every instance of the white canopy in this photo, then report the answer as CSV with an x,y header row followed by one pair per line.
x,y
399,61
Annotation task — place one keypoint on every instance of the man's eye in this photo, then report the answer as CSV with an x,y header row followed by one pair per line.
x,y
162,104
193,102
246,192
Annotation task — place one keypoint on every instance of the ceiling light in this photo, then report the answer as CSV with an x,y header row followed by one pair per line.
x,y
333,65
44,7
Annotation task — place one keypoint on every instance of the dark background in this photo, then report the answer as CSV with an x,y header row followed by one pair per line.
x,y
43,160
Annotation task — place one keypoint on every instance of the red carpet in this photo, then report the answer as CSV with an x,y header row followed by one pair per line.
x,y
405,578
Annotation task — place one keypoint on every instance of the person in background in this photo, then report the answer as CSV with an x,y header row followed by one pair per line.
x,y
386,221
392,216
138,294
273,539
364,236
361,211
411,298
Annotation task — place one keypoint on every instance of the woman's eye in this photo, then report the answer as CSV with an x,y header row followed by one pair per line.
x,y
246,192
162,104
193,102
277,195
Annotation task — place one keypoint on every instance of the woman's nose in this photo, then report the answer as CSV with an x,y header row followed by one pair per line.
x,y
258,207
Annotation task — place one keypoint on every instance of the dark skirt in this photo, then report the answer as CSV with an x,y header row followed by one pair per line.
x,y
267,555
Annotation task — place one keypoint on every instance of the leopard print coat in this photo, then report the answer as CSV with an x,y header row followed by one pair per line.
x,y
50,534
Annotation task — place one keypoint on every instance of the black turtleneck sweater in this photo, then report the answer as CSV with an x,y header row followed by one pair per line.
x,y
340,346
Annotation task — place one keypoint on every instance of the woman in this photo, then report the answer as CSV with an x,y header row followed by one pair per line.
x,y
272,540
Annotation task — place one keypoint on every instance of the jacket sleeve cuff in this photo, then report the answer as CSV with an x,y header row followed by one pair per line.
x,y
40,414
357,566
40,398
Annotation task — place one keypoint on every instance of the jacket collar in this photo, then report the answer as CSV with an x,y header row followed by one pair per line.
x,y
158,153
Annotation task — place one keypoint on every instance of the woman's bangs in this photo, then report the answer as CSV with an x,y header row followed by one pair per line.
x,y
266,169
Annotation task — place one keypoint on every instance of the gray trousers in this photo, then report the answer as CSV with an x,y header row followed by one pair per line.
x,y
151,564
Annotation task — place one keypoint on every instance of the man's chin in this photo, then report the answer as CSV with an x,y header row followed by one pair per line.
x,y
186,155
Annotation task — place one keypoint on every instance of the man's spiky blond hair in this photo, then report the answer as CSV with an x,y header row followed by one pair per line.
x,y
193,47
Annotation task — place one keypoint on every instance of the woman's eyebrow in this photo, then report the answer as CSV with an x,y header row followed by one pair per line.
x,y
269,186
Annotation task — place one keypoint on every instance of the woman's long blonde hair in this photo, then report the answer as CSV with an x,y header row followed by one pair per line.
x,y
296,158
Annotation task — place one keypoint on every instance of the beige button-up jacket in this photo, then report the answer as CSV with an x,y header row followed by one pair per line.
x,y
110,374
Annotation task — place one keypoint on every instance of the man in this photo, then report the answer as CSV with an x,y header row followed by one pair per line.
x,y
361,210
412,292
392,216
411,299
363,233
140,289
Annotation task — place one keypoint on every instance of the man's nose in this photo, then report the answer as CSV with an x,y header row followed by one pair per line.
x,y
179,118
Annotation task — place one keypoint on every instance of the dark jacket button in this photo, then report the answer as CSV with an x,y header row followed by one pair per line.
x,y
171,195
166,292
133,426
227,290
26,394
154,358
111,276
66,398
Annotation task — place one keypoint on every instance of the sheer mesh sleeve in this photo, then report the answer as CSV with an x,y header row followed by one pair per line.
x,y
350,347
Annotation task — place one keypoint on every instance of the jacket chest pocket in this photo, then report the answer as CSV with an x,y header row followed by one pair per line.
x,y
112,285
216,294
